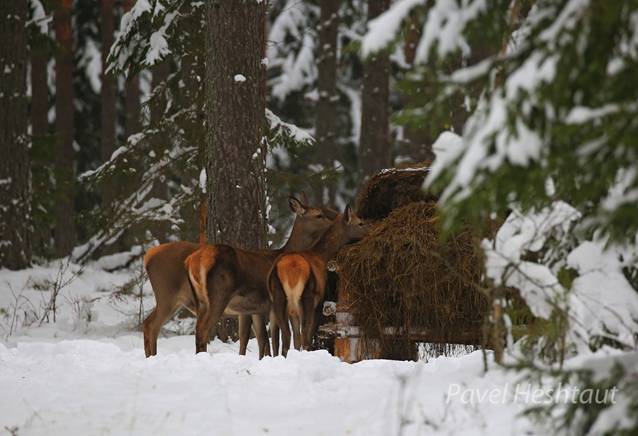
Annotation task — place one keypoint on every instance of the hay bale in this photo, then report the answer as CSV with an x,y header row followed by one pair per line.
x,y
391,189
403,277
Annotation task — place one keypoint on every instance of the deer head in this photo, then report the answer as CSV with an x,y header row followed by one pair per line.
x,y
310,224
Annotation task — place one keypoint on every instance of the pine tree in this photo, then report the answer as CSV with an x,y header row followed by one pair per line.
x,y
15,195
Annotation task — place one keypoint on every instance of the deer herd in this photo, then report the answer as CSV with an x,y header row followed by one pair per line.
x,y
284,286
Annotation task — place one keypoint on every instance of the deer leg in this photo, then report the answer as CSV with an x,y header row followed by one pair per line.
x,y
152,325
218,304
280,308
245,322
274,332
308,329
296,320
149,348
202,326
259,325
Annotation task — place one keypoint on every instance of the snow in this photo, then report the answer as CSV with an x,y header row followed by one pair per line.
x,y
528,232
603,301
447,148
92,62
354,95
39,17
239,78
383,29
445,25
296,133
86,374
600,302
158,45
88,386
202,180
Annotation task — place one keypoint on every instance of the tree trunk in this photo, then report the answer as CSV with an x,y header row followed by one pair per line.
x,y
15,196
326,122
418,141
108,94
236,102
160,73
374,147
64,156
132,94
39,93
41,147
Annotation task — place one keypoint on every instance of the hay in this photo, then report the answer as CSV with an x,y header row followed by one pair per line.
x,y
403,277
391,189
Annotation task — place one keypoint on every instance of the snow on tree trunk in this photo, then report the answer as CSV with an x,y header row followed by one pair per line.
x,y
64,156
326,121
236,99
15,201
108,94
374,148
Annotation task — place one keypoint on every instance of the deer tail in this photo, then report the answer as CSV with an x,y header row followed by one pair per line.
x,y
198,264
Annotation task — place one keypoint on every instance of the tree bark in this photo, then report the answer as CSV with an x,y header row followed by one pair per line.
x,y
64,156
374,147
132,94
326,121
41,140
236,100
15,195
108,94
39,92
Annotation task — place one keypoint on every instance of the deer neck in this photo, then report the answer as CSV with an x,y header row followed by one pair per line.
x,y
328,246
299,239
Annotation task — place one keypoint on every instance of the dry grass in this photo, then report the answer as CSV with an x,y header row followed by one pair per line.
x,y
404,277
389,190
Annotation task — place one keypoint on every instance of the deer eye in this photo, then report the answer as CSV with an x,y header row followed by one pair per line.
x,y
320,216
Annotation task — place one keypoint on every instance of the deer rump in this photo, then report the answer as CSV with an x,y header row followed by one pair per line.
x,y
296,285
231,281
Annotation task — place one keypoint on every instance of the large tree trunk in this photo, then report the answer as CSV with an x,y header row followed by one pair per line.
x,y
132,94
64,162
15,198
326,122
374,148
108,94
236,100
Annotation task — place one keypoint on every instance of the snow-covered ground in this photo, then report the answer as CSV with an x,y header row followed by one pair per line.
x,y
86,374
106,386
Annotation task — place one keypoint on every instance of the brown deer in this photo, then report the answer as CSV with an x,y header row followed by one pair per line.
x,y
169,278
297,281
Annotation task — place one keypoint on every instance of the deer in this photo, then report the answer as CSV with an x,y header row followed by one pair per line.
x,y
297,280
165,266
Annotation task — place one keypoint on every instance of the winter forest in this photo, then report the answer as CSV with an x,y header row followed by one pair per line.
x,y
319,217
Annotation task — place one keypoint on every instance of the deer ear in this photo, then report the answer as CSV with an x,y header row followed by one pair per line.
x,y
296,206
348,214
303,197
